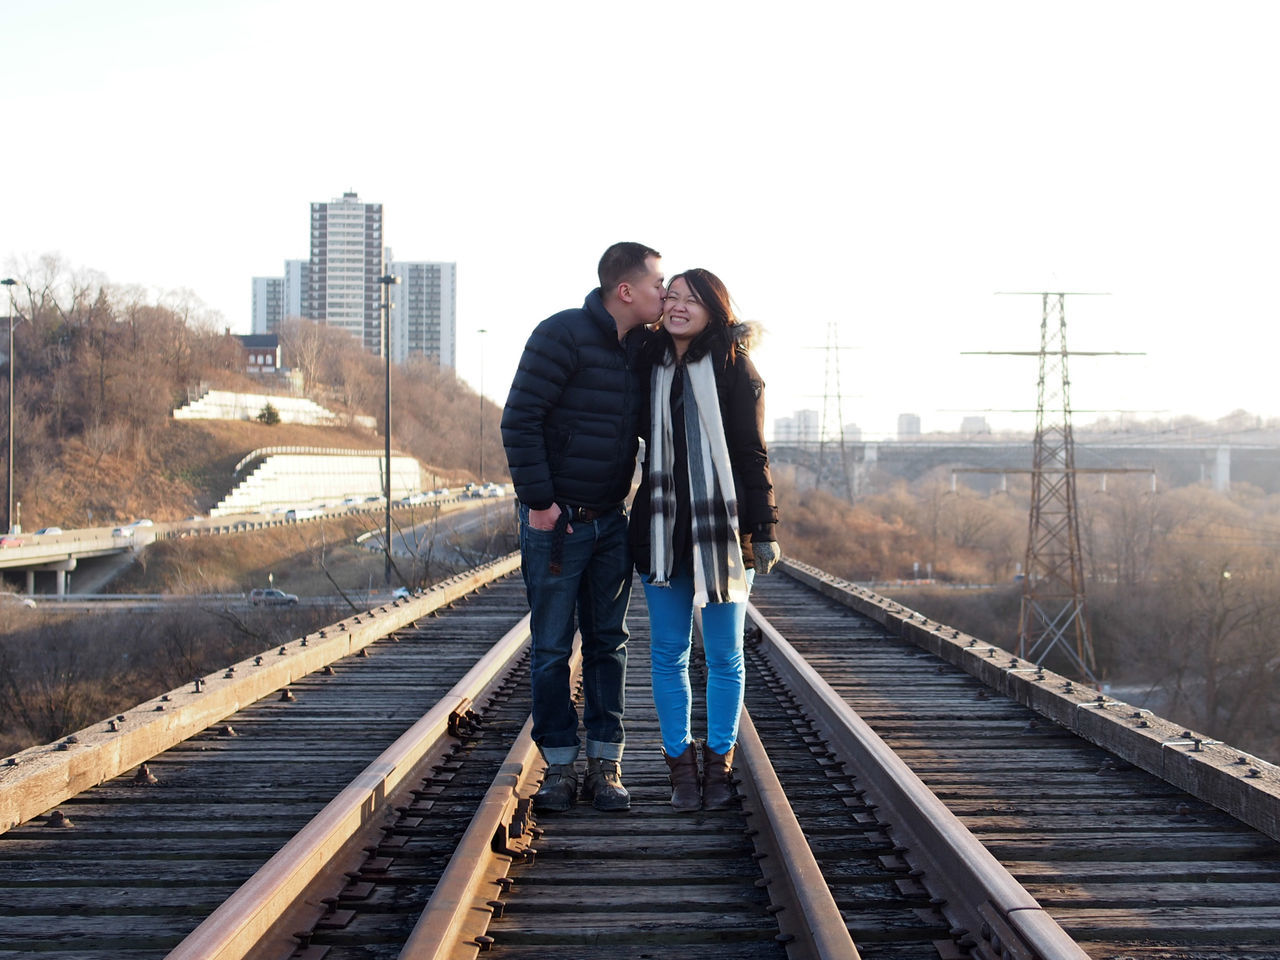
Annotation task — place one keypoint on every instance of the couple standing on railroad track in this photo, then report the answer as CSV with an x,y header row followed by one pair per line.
x,y
666,362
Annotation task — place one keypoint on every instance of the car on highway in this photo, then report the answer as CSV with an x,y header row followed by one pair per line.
x,y
142,522
401,593
10,540
271,597
122,532
48,531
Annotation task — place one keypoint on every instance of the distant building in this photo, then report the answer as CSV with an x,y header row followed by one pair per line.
x,y
801,427
852,432
297,280
346,261
277,299
268,304
261,352
339,286
972,426
424,311
908,425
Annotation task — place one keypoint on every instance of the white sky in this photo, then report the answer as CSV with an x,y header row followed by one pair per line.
x,y
885,166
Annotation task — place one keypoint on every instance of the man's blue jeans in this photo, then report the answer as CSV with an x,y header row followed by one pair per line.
x,y
594,584
671,632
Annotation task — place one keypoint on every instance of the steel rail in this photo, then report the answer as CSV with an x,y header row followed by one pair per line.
x,y
453,923
461,907
810,922
981,897
331,842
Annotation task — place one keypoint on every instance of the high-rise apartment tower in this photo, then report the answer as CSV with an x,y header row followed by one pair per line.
x,y
424,311
346,261
268,304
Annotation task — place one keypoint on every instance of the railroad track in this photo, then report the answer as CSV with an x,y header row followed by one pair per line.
x,y
195,866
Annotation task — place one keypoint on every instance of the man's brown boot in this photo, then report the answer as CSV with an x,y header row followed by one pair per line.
x,y
603,785
685,793
559,790
717,779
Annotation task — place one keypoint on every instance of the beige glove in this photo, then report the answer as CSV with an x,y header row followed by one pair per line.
x,y
767,553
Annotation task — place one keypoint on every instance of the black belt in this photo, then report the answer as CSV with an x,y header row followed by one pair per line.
x,y
568,514
587,514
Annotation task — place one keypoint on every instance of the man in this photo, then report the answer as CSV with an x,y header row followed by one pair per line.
x,y
570,429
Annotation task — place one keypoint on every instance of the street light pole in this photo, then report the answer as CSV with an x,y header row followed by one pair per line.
x,y
482,332
386,280
8,485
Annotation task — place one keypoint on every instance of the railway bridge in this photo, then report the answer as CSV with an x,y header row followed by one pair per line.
x,y
904,790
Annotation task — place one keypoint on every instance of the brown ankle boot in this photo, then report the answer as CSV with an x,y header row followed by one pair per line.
x,y
717,779
685,795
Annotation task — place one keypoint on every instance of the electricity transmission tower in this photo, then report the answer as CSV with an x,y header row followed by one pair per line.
x,y
833,409
1052,611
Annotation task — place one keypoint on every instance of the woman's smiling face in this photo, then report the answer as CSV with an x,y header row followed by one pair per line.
x,y
683,315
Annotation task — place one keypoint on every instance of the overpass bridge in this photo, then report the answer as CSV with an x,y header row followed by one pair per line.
x,y
872,465
60,554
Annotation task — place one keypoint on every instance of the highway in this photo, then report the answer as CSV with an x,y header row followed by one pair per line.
x,y
61,553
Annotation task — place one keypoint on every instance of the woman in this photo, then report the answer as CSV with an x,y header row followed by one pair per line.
x,y
702,524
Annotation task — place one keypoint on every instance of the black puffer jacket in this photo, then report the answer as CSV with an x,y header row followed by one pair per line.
x,y
741,393
572,419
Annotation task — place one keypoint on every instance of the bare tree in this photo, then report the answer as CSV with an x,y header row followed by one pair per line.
x,y
303,343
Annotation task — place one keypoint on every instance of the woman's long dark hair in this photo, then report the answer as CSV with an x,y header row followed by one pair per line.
x,y
714,297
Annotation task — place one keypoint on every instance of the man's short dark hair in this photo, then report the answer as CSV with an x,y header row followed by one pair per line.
x,y
622,261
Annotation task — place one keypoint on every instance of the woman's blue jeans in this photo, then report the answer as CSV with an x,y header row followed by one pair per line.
x,y
592,588
671,632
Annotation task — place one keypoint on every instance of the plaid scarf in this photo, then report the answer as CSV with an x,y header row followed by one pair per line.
x,y
718,572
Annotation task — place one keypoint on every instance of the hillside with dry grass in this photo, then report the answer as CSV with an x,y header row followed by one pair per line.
x,y
185,469
100,370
